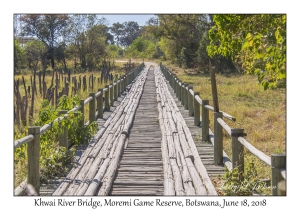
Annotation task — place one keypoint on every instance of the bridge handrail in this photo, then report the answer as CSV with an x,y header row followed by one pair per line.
x,y
193,101
119,87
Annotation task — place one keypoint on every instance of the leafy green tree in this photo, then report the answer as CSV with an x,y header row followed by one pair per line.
x,y
258,42
179,35
47,28
126,32
89,37
117,29
19,56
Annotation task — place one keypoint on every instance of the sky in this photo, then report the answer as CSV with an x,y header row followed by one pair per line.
x,y
139,18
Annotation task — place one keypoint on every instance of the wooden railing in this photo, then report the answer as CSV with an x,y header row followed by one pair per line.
x,y
192,102
110,92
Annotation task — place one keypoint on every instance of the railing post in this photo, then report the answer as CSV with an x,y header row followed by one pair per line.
x,y
111,94
63,138
92,108
205,121
191,102
33,153
116,92
237,151
182,93
100,103
173,83
106,98
177,87
81,123
124,84
186,92
179,91
218,139
196,110
119,86
278,161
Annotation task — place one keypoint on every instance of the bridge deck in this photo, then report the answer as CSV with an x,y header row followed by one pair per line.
x,y
205,149
140,170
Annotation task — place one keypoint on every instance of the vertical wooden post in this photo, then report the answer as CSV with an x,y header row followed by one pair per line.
x,y
106,98
182,94
111,94
186,95
214,88
92,107
63,138
218,138
237,151
33,153
205,121
100,103
175,85
278,161
119,86
81,124
196,110
116,92
179,90
191,102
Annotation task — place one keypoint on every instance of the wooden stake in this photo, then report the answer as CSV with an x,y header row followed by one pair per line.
x,y
214,88
33,153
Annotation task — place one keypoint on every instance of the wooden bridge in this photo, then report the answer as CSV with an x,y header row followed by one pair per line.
x,y
151,140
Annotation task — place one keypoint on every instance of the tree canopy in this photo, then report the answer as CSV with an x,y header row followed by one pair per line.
x,y
257,42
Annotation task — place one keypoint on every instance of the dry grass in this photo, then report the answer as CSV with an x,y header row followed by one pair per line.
x,y
261,113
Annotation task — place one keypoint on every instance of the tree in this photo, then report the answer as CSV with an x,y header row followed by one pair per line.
x,y
125,33
19,56
89,36
131,32
117,29
47,28
181,33
258,42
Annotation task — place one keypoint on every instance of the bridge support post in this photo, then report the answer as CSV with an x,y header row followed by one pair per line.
x,y
205,121
116,92
173,82
92,107
81,123
196,110
124,84
182,93
100,104
191,102
278,161
175,85
33,153
63,138
218,138
111,94
237,151
178,89
106,98
186,96
119,86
